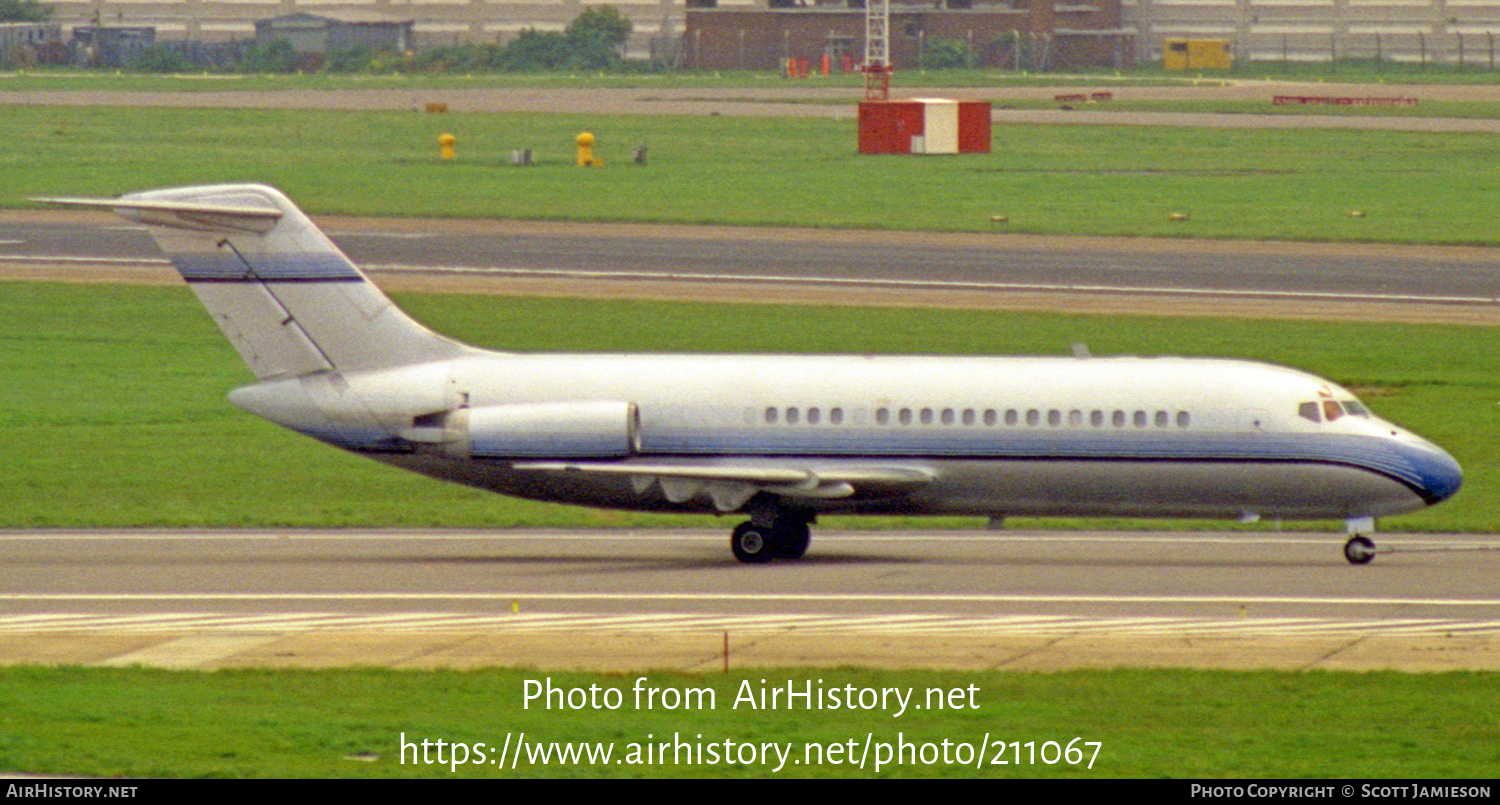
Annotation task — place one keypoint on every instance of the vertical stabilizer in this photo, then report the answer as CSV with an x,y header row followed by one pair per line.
x,y
290,302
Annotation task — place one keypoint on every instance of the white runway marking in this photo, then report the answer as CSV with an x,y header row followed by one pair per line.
x,y
876,282
960,285
902,624
816,598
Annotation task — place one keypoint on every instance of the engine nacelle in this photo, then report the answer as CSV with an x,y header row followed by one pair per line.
x,y
585,429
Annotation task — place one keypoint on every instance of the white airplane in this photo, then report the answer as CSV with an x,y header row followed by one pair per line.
x,y
781,439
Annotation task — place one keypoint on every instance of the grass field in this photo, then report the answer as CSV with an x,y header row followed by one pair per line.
x,y
1185,724
1295,184
125,386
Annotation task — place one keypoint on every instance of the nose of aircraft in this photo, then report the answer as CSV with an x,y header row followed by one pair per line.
x,y
1439,473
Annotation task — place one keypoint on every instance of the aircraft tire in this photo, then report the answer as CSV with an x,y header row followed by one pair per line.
x,y
792,540
752,544
1359,550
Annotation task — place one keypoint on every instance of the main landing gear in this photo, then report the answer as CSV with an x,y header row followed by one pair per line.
x,y
1360,549
772,534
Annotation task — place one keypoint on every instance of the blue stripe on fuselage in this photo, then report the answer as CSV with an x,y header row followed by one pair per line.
x,y
1430,473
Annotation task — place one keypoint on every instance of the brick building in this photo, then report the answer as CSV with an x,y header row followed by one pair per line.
x,y
1032,34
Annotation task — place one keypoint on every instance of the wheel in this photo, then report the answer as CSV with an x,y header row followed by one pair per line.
x,y
791,540
750,543
1359,550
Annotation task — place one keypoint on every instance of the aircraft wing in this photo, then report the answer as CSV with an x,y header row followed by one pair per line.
x,y
731,486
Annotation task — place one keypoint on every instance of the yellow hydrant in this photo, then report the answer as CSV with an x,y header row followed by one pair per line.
x,y
586,159
445,145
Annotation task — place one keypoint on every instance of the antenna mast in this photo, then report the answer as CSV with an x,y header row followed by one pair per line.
x,y
877,66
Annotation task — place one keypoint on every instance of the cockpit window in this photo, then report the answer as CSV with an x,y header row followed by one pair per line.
x,y
1309,411
1332,410
1355,408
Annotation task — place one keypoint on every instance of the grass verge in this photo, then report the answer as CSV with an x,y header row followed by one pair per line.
x,y
351,723
1412,187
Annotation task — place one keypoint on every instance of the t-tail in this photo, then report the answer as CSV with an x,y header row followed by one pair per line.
x,y
288,299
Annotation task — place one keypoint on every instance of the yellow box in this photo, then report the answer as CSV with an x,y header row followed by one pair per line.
x,y
1197,54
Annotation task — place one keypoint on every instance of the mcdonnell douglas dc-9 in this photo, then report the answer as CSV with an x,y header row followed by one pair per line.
x,y
778,439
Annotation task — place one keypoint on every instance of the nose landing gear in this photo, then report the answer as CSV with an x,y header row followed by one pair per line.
x,y
1360,549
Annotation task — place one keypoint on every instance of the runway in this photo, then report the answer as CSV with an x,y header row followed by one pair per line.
x,y
631,600
791,99
1342,281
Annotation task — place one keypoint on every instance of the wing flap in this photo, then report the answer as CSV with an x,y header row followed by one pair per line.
x,y
730,486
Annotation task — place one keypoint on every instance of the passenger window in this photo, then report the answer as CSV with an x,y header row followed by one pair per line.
x,y
813,416
1096,418
990,417
1183,420
882,416
1332,410
1162,419
1309,412
835,416
791,416
968,416
1033,417
771,416
1118,419
926,416
1054,417
904,416
1075,418
947,416
1140,419
1011,417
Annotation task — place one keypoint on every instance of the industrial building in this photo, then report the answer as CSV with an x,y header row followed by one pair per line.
x,y
761,34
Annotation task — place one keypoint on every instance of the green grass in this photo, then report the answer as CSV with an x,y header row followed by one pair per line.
x,y
1186,724
1295,184
118,393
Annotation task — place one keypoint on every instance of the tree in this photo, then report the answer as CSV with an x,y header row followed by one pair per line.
x,y
159,58
597,36
276,56
946,54
24,11
535,50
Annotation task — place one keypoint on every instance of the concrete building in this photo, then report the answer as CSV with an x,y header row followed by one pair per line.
x,y
318,35
1432,31
755,33
28,43
435,22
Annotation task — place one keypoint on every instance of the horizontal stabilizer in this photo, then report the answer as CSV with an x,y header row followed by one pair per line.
x,y
286,297
224,218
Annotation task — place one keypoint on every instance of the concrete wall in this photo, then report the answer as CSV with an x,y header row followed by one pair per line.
x,y
438,22
1315,30
1302,30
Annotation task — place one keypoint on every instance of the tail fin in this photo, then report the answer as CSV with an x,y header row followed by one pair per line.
x,y
290,302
